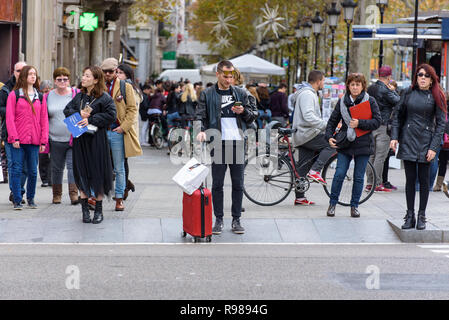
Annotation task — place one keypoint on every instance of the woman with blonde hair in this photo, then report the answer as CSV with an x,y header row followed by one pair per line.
x,y
189,101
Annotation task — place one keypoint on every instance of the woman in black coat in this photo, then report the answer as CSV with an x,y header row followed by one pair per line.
x,y
357,148
418,126
92,166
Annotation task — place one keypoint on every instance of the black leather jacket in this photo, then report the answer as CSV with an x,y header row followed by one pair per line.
x,y
4,92
418,125
208,110
386,99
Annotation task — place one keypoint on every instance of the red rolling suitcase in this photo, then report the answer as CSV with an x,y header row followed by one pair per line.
x,y
197,214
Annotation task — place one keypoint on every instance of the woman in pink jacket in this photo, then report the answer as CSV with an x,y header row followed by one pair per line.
x,y
27,125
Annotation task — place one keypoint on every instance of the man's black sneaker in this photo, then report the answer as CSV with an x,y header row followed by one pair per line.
x,y
236,227
18,206
31,204
218,227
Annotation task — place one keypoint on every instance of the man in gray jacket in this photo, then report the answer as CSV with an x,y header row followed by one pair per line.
x,y
309,137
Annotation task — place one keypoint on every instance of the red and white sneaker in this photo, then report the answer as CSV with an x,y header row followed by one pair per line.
x,y
316,176
303,202
381,188
368,187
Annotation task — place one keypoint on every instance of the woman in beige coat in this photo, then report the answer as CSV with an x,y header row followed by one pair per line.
x,y
132,145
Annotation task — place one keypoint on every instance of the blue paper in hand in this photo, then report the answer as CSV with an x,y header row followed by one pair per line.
x,y
71,123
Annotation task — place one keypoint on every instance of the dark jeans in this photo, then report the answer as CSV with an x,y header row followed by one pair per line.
x,y
23,179
219,168
218,176
306,161
414,171
27,155
442,162
343,162
45,167
61,155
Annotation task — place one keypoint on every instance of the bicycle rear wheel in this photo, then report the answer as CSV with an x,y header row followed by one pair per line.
x,y
346,190
268,179
156,135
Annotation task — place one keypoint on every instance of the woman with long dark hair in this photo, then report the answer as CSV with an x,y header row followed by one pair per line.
x,y
418,126
92,166
27,125
126,73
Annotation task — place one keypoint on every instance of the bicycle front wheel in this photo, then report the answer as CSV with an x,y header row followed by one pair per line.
x,y
346,190
268,179
156,135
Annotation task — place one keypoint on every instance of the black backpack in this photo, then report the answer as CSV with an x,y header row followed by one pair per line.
x,y
18,96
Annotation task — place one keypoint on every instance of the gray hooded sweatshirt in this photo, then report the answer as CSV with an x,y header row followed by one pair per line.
x,y
307,115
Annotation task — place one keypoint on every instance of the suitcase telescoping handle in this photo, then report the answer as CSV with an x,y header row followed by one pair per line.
x,y
203,158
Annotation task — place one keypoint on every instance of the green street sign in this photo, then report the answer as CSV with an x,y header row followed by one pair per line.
x,y
169,55
88,21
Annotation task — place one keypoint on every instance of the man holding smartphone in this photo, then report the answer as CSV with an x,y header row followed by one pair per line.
x,y
227,109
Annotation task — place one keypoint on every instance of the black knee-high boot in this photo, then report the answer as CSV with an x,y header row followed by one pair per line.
x,y
98,214
85,210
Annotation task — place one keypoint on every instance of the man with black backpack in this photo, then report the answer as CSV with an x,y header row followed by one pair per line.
x,y
122,136
4,92
386,98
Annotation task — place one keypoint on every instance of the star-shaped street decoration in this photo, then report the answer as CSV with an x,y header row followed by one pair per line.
x,y
223,42
271,20
222,24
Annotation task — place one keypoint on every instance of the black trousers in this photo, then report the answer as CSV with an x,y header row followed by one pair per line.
x,y
443,157
412,170
45,167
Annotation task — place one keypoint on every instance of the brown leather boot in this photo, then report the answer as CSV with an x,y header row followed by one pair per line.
x,y
57,193
73,194
119,204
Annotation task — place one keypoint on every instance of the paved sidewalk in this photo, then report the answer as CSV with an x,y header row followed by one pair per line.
x,y
153,214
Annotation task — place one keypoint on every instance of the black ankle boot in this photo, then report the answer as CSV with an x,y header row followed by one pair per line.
x,y
409,220
85,210
421,223
98,214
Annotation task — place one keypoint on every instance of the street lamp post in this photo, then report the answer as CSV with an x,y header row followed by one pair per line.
x,y
348,8
307,30
271,47
317,22
289,47
332,21
382,4
415,39
298,35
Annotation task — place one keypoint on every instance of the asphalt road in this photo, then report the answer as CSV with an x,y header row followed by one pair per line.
x,y
224,271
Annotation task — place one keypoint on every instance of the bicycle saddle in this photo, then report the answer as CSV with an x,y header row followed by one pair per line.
x,y
286,131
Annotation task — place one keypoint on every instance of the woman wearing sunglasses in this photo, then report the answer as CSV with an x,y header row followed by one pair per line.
x,y
59,136
418,126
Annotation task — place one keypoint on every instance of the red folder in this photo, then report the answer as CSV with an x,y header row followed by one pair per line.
x,y
361,111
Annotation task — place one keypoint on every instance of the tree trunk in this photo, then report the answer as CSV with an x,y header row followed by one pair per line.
x,y
361,52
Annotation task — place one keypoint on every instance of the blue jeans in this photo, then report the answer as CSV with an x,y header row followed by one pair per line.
x,y
25,156
8,147
170,117
343,162
118,159
264,114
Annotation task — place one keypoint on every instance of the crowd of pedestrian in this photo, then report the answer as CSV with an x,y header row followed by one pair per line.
x,y
109,102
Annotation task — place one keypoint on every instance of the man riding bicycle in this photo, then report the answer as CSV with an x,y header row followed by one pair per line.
x,y
309,136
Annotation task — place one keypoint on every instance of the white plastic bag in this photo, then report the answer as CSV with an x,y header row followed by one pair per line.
x,y
191,176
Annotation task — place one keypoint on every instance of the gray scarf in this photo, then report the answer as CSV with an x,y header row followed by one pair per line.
x,y
350,134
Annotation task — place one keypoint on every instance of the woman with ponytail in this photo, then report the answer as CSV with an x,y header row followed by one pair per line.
x,y
27,125
418,126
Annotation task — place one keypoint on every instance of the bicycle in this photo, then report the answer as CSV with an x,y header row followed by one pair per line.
x,y
155,130
179,134
269,179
